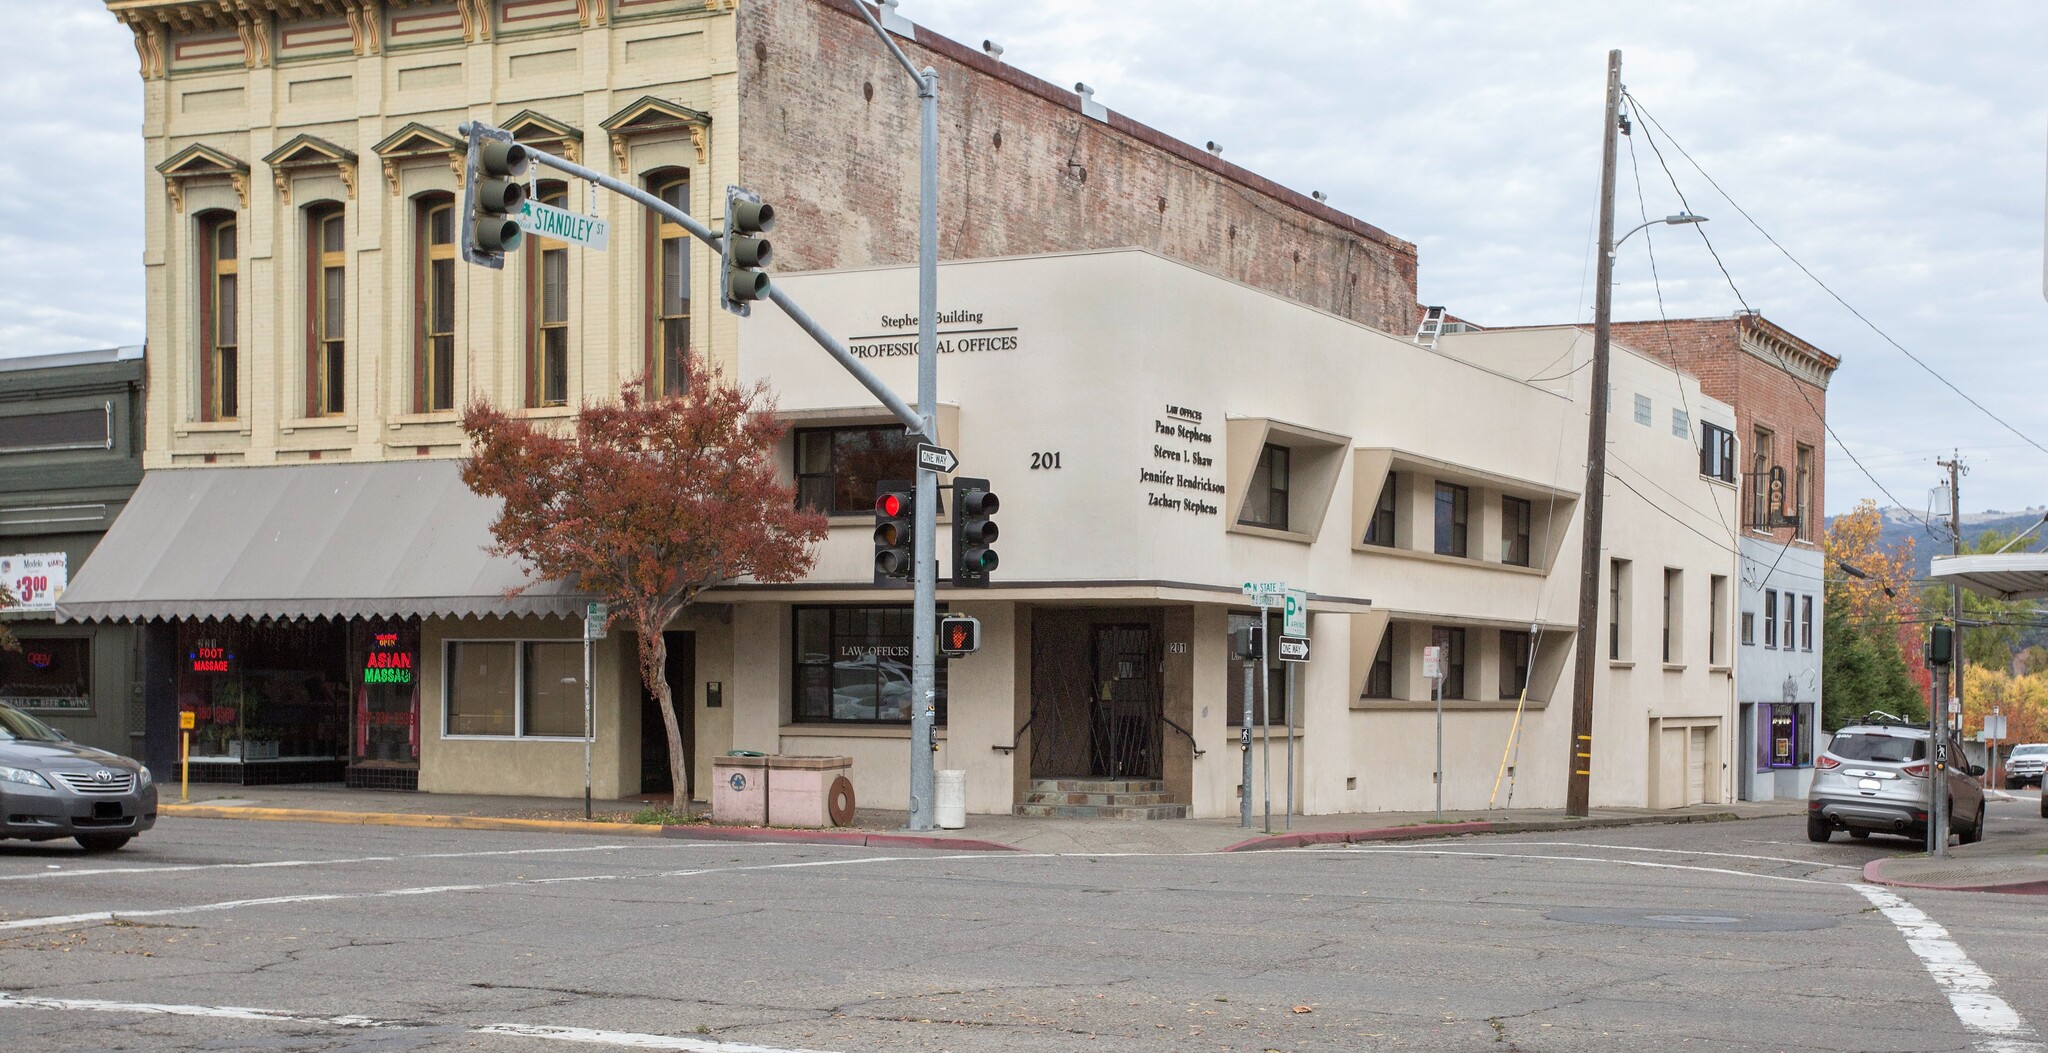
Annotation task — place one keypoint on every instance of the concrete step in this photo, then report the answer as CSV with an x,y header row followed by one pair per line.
x,y
1102,811
1098,785
1122,799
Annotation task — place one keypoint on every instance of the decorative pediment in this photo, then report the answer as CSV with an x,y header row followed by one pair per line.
x,y
306,152
416,141
532,126
652,116
200,161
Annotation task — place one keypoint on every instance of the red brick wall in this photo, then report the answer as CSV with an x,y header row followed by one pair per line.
x,y
1764,396
1021,171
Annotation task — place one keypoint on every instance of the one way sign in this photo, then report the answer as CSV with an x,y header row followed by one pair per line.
x,y
936,458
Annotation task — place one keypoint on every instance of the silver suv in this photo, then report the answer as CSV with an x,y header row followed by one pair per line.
x,y
2025,763
1874,777
51,787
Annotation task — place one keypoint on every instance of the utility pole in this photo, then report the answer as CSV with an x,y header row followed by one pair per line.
x,y
1578,789
924,621
1949,678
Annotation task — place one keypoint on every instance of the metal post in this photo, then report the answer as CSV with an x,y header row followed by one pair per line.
x,y
587,729
1290,744
1265,718
1244,745
1436,692
1937,777
1938,819
924,619
1578,787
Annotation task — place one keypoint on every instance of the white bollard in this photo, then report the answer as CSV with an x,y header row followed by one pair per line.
x,y
950,799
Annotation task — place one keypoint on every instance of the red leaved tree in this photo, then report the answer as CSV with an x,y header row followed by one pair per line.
x,y
647,504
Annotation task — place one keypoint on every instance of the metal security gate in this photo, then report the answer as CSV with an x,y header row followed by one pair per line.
x,y
1096,698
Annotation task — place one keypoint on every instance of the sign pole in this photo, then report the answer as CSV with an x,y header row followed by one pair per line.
x,y
586,726
1265,720
1290,745
184,766
1244,793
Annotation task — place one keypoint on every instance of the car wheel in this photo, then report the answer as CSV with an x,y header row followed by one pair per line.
x,y
1976,831
103,842
1860,835
1818,829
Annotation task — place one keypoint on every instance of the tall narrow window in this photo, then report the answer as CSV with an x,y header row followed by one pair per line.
x,y
1617,610
1717,616
1515,515
1760,480
1791,610
1804,494
1379,681
1674,614
1515,646
326,312
1265,503
668,274
219,358
1806,623
547,305
1770,617
1452,654
1453,516
1380,531
434,289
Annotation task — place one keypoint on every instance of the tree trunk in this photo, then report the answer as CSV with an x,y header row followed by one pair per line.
x,y
654,674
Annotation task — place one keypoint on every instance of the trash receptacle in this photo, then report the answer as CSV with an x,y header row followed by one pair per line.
x,y
739,790
950,799
810,791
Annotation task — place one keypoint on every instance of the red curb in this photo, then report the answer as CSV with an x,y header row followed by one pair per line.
x,y
1873,872
1386,833
856,838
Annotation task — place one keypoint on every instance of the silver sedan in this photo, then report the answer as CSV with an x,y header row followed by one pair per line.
x,y
51,787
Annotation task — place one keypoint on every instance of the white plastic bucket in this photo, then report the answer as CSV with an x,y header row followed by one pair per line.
x,y
950,806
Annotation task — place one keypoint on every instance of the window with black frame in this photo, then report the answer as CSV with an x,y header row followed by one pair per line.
x,y
1380,529
1717,452
837,469
1514,662
1453,519
1379,681
48,675
1265,500
852,665
1452,654
1515,517
1275,711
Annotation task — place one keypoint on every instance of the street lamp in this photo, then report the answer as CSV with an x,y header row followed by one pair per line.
x,y
1682,219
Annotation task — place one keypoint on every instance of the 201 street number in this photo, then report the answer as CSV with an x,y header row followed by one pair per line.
x,y
1047,460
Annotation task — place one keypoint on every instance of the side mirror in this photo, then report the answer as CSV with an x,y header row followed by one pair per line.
x,y
61,736
1976,769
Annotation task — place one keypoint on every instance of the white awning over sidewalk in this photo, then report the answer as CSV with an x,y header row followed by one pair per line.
x,y
394,538
2002,576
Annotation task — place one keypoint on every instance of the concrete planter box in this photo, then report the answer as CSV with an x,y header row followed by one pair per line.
x,y
777,791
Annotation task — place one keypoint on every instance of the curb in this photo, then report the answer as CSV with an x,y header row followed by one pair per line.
x,y
859,838
1873,872
1479,826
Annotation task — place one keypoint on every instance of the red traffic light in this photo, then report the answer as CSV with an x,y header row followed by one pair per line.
x,y
890,505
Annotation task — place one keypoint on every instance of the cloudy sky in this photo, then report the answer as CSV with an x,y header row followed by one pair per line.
x,y
1899,151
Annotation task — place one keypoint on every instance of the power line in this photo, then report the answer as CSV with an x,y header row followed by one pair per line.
x,y
1732,287
1931,371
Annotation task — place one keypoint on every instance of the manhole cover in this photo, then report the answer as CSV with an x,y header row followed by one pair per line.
x,y
1715,921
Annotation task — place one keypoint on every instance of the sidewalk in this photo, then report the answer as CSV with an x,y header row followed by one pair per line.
x,y
879,827
2013,864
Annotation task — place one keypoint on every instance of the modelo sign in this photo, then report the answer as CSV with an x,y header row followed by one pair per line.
x,y
34,580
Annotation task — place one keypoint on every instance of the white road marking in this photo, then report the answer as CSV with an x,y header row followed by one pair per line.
x,y
1586,859
287,863
1685,852
431,890
586,1036
1969,988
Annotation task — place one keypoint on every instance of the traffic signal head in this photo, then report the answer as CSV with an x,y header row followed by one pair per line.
x,y
1941,649
495,191
746,252
974,532
895,532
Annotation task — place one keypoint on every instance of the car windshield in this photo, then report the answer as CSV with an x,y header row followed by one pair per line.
x,y
18,726
1872,747
2029,751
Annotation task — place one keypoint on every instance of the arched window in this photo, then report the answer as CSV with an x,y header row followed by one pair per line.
x,y
219,341
433,276
668,288
547,309
326,310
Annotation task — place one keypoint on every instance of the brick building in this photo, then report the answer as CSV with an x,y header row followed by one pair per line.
x,y
1777,384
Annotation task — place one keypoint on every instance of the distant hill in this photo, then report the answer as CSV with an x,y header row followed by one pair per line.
x,y
1901,524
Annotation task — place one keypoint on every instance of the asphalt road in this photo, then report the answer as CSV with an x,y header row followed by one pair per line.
x,y
1734,935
